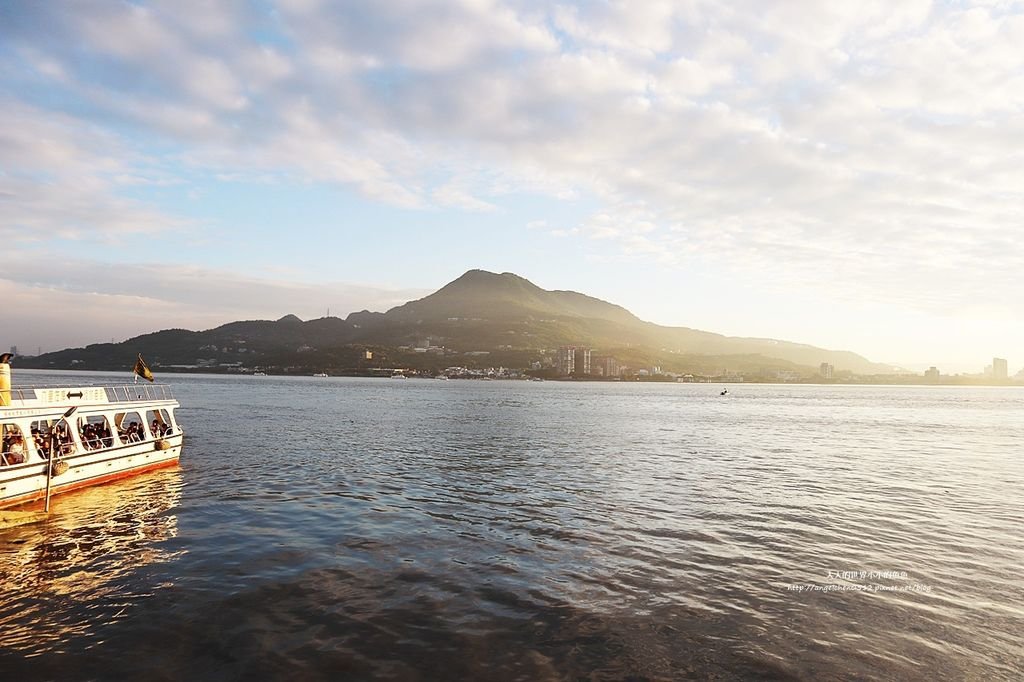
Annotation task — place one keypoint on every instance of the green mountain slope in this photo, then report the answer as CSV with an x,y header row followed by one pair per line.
x,y
484,309
486,295
479,311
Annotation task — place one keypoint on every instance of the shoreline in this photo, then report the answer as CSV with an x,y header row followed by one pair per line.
x,y
902,381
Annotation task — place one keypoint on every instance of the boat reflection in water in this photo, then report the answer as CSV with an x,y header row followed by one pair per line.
x,y
85,558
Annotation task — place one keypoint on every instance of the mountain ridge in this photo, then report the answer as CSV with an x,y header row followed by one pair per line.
x,y
478,312
478,291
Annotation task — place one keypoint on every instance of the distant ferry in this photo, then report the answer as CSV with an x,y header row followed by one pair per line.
x,y
320,374
398,375
259,374
58,439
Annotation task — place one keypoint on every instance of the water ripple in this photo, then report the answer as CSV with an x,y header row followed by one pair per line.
x,y
522,531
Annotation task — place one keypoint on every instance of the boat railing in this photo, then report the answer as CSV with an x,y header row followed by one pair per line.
x,y
116,393
138,392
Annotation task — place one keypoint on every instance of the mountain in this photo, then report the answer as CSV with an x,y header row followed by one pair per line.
x,y
503,315
505,297
492,309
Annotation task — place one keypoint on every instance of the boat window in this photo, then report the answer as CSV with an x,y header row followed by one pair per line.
x,y
13,449
159,423
63,437
94,432
41,438
130,427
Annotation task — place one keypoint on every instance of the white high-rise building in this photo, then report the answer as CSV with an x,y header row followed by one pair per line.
x,y
581,362
566,360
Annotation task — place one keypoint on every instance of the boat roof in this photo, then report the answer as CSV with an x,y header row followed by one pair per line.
x,y
63,396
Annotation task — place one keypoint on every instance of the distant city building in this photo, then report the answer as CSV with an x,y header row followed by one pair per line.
x,y
827,370
565,360
1000,371
368,355
931,374
14,350
581,362
608,365
573,360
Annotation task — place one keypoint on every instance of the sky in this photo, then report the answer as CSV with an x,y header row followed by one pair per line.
x,y
849,175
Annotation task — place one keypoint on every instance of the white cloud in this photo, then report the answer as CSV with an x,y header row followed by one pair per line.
x,y
624,26
454,194
870,148
60,176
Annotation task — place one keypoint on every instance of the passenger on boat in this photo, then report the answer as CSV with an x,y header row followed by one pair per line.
x,y
42,443
89,438
64,439
106,437
14,450
134,432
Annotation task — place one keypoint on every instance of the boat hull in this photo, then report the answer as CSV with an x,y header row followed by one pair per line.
x,y
26,483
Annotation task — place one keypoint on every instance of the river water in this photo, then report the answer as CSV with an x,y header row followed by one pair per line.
x,y
324,529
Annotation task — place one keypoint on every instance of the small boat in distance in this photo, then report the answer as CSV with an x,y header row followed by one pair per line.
x,y
398,375
259,374
58,439
320,374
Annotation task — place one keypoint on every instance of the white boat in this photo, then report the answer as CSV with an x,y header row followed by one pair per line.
x,y
442,377
95,434
399,375
320,374
259,374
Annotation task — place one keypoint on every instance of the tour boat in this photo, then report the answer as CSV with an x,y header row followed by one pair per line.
x,y
320,374
58,439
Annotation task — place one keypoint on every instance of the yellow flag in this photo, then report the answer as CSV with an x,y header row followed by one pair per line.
x,y
141,369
